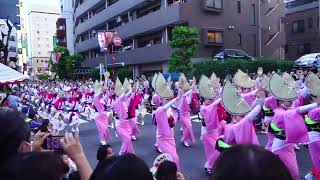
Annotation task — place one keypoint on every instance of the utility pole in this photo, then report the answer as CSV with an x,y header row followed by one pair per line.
x,y
260,28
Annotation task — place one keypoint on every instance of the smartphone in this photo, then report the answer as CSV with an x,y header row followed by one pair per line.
x,y
53,142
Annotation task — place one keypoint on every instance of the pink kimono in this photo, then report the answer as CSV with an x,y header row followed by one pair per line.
x,y
165,138
249,97
101,119
270,103
156,101
134,100
291,121
123,127
314,138
209,133
185,119
243,132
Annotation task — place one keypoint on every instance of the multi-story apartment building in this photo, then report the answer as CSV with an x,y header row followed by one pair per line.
x,y
302,28
65,25
41,29
255,26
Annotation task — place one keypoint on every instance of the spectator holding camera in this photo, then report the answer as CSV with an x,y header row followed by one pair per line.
x,y
16,145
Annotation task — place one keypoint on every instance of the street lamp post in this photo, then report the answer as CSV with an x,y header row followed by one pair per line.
x,y
259,28
105,58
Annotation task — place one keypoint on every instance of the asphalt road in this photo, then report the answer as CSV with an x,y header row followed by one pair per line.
x,y
191,158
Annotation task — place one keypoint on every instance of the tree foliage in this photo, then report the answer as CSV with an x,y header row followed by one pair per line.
x,y
66,64
185,42
231,66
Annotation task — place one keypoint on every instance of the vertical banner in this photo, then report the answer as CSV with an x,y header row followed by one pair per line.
x,y
53,58
55,42
58,56
104,39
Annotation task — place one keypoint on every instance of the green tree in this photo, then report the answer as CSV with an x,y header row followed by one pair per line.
x,y
185,42
66,64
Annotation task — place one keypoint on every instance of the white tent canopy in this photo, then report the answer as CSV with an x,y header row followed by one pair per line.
x,y
10,76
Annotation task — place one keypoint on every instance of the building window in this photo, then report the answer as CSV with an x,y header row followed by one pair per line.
x,y
253,14
310,23
38,32
286,49
110,2
12,49
254,39
215,37
304,49
156,5
12,38
39,53
239,6
240,39
298,26
215,4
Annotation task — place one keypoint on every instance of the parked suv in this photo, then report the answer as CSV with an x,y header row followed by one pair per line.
x,y
232,54
306,61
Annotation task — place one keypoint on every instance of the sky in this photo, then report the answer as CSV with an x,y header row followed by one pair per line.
x,y
42,2
53,2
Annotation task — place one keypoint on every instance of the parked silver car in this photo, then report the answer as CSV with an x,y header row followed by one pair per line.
x,y
306,61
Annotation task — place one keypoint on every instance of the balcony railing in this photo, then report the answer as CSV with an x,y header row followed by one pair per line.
x,y
120,7
152,22
145,55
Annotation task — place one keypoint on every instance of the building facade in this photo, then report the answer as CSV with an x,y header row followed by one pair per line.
x,y
302,28
41,30
65,30
12,58
255,27
10,9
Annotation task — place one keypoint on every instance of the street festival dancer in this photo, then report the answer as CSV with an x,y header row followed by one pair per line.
x,y
122,123
165,119
288,123
291,118
312,121
208,89
133,100
74,108
184,111
101,117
